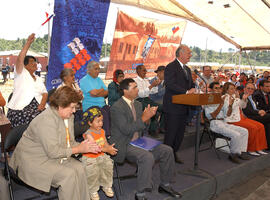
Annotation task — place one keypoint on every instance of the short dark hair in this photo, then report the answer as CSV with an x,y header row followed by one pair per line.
x,y
139,67
262,82
211,86
250,78
27,58
124,85
233,75
206,66
63,97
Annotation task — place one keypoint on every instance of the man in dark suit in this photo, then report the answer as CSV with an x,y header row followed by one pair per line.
x,y
261,96
178,80
127,123
252,112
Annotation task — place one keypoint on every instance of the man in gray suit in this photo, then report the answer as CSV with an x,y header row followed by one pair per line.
x,y
127,123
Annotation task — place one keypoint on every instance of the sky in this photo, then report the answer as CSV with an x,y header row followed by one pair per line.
x,y
19,18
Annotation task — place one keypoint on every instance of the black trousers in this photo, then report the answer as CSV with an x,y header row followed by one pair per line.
x,y
175,129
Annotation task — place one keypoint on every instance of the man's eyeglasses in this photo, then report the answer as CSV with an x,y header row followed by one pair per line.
x,y
215,88
250,89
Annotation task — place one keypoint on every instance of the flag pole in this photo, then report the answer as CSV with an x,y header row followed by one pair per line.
x,y
49,37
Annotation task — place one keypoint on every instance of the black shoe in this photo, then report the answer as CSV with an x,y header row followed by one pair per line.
x,y
243,157
170,191
177,159
140,197
234,159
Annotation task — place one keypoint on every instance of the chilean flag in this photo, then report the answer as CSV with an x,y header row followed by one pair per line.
x,y
175,29
48,19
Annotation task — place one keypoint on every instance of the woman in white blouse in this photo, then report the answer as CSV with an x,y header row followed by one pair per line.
x,y
29,93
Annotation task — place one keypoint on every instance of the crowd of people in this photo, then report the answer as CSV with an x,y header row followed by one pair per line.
x,y
139,106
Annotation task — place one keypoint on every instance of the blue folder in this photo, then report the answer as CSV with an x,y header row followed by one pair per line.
x,y
145,143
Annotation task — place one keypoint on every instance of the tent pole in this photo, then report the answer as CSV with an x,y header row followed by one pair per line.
x,y
249,62
240,58
228,60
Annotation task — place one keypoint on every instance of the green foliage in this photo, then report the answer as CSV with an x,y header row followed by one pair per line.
x,y
255,58
39,45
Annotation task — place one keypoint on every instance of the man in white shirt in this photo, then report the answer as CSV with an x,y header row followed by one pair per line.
x,y
145,89
237,134
207,77
39,67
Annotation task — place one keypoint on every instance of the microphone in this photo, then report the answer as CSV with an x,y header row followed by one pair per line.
x,y
196,72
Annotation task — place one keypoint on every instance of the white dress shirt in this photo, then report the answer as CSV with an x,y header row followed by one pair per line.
x,y
143,86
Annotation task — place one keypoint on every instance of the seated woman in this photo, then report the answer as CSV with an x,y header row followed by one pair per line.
x,y
29,95
233,113
67,76
94,92
42,158
113,87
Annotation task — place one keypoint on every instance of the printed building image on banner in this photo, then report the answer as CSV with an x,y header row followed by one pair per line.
x,y
143,41
77,36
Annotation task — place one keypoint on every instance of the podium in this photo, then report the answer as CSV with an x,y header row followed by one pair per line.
x,y
197,100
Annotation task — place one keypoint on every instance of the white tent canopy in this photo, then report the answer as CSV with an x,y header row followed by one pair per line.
x,y
244,23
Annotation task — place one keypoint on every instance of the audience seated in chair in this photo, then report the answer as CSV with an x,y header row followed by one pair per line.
x,y
113,87
251,111
67,76
233,106
99,167
128,121
42,158
145,89
261,96
237,134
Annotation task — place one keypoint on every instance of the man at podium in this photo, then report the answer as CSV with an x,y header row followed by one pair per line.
x,y
178,80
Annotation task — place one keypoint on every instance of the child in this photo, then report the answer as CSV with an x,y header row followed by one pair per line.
x,y
99,167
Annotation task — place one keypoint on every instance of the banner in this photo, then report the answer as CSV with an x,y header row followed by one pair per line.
x,y
143,41
77,35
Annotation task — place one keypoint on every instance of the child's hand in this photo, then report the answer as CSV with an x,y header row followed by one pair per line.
x,y
111,150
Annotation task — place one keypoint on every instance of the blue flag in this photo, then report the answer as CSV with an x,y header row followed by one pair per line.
x,y
77,35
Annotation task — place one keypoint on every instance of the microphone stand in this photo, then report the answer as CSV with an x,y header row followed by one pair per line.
x,y
196,172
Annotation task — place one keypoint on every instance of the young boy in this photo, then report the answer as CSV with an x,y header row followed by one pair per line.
x,y
99,167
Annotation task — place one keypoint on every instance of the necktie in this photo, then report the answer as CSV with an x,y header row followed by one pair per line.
x,y
266,98
185,71
252,103
136,134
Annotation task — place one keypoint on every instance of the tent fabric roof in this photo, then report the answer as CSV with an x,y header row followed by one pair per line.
x,y
244,23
